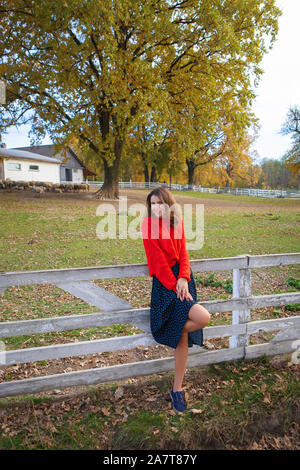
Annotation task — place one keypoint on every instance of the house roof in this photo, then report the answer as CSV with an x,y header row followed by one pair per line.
x,y
23,154
49,149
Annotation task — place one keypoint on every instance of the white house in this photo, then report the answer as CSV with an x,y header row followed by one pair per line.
x,y
19,165
72,168
42,163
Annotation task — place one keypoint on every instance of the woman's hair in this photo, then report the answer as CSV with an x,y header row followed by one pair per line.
x,y
170,204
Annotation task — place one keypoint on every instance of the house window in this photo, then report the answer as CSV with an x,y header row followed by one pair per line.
x,y
75,170
14,166
33,167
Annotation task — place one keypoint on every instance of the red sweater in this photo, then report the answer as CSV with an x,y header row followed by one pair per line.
x,y
163,250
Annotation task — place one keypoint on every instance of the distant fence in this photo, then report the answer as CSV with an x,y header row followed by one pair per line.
x,y
186,187
239,330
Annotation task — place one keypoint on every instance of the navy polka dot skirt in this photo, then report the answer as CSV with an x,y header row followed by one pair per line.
x,y
168,314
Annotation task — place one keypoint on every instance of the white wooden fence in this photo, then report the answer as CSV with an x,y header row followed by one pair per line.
x,y
273,193
116,311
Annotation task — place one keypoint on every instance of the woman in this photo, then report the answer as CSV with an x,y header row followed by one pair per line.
x,y
176,318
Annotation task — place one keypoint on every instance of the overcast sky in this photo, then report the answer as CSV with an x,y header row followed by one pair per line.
x,y
278,89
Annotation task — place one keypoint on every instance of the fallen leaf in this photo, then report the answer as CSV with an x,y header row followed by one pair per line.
x,y
105,411
119,393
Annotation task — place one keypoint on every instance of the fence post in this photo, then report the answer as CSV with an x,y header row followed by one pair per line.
x,y
241,288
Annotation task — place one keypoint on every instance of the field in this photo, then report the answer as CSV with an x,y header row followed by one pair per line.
x,y
234,405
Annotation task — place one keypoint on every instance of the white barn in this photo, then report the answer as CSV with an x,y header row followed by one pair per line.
x,y
72,169
42,163
20,165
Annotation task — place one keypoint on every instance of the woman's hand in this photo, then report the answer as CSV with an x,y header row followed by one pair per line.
x,y
183,289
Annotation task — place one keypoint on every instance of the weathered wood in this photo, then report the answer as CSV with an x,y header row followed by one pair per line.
x,y
19,278
49,276
94,295
76,282
80,348
272,325
128,342
273,299
286,334
213,357
241,289
112,373
218,264
219,331
280,259
74,322
269,349
137,317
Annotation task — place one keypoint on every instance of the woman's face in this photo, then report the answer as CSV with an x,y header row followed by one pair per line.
x,y
157,206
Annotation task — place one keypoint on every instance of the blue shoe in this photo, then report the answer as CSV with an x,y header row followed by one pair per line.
x,y
179,404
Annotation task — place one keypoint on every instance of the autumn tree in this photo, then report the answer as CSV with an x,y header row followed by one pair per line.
x,y
292,126
234,161
97,69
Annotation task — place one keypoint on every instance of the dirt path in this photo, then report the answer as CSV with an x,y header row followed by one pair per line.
x,y
215,204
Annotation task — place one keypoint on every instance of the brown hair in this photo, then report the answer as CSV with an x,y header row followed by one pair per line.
x,y
169,200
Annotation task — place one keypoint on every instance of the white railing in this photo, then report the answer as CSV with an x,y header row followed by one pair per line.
x,y
185,187
116,311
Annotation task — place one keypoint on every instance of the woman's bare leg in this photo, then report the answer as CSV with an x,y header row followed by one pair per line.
x,y
180,355
198,318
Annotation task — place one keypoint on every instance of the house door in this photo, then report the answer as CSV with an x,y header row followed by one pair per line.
x,y
1,171
69,174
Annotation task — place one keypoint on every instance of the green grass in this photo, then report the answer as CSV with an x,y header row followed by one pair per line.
x,y
278,202
48,236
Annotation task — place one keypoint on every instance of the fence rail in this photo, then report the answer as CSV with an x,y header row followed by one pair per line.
x,y
116,311
187,187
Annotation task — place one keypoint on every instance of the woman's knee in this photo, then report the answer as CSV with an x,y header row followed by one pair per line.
x,y
199,315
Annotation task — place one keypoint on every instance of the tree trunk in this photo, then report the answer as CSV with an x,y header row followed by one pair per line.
x,y
153,174
191,171
110,187
145,166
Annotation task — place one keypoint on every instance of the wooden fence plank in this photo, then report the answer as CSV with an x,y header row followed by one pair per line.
x,y
271,325
73,322
80,348
273,300
94,295
112,373
270,349
281,259
19,278
241,289
286,334
138,317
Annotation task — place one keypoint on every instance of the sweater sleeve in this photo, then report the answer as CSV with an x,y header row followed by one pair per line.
x,y
157,262
184,262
